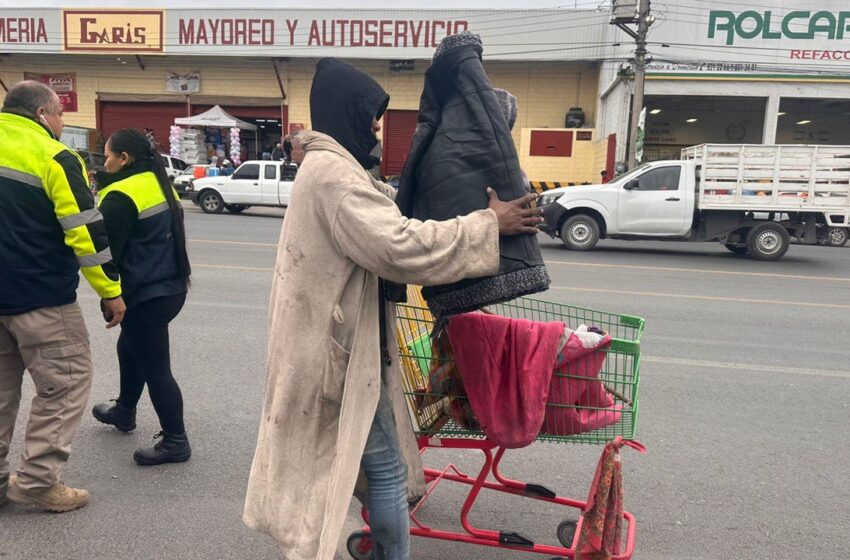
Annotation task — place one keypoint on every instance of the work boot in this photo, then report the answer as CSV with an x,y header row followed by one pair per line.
x,y
171,448
57,498
116,415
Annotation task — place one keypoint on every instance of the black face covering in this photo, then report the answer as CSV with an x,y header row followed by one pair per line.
x,y
343,101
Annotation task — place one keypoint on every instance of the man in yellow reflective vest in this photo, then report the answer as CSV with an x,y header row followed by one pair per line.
x,y
50,229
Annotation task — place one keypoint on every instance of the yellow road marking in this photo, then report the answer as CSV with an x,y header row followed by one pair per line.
x,y
220,242
603,291
701,271
229,267
745,367
605,265
705,298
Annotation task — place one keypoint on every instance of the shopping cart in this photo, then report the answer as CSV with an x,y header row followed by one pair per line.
x,y
444,421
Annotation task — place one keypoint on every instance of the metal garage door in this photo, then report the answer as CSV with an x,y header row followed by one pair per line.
x,y
115,115
398,133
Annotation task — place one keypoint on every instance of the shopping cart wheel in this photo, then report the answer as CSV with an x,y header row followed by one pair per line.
x,y
359,546
566,533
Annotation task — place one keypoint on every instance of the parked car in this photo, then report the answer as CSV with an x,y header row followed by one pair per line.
x,y
94,162
183,179
174,166
254,183
750,198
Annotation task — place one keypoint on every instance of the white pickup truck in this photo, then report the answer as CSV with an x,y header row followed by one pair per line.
x,y
254,183
751,198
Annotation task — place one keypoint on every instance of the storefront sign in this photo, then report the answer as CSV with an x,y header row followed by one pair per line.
x,y
766,43
23,30
30,30
65,86
386,34
188,83
796,25
114,30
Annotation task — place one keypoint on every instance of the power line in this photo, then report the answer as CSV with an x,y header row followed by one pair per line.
x,y
742,5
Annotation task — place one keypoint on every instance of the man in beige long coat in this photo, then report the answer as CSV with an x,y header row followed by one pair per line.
x,y
332,404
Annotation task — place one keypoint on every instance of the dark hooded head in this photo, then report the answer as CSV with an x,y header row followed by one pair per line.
x,y
343,101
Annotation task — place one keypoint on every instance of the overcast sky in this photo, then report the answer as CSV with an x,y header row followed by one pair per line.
x,y
401,4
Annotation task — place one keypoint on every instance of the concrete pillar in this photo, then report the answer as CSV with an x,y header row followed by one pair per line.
x,y
770,119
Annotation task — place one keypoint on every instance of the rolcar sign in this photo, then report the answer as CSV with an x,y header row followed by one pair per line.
x,y
799,24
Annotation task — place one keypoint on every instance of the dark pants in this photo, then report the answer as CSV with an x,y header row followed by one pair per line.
x,y
143,355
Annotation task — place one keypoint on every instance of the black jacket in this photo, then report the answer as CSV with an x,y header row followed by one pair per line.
x,y
462,145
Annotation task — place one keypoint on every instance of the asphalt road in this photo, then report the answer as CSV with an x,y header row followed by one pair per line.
x,y
745,393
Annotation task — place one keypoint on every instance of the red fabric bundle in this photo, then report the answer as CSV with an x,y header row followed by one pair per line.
x,y
506,366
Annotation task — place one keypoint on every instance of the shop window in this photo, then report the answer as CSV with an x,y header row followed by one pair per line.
x,y
249,171
660,179
551,143
813,121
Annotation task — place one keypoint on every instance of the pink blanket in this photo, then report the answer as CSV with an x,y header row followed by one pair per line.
x,y
577,401
507,367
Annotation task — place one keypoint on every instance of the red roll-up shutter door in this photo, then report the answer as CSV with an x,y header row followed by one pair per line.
x,y
115,115
398,134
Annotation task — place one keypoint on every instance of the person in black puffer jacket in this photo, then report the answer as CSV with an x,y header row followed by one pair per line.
x,y
462,142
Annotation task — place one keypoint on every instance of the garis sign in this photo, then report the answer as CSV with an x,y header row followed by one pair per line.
x,y
799,24
113,30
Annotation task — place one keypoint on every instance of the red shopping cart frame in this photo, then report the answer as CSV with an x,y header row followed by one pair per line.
x,y
488,478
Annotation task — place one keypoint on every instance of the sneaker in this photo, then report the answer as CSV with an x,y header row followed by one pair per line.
x,y
116,415
57,498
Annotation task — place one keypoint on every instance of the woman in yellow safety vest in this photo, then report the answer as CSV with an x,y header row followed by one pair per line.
x,y
144,221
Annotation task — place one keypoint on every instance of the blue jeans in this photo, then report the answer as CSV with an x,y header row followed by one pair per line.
x,y
387,476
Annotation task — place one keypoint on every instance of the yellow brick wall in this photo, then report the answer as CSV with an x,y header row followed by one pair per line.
x,y
545,90
404,88
600,157
577,168
225,77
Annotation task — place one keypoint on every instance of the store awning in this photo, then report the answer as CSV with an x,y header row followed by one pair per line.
x,y
215,117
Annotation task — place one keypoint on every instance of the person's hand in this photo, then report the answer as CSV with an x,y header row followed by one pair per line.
x,y
113,311
514,218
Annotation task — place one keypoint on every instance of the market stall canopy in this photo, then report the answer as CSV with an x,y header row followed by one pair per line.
x,y
215,117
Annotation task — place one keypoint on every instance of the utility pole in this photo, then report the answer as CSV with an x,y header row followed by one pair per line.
x,y
644,19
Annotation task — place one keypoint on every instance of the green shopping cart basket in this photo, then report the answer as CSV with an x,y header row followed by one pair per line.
x,y
609,399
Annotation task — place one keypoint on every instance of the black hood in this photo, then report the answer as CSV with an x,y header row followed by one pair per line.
x,y
343,101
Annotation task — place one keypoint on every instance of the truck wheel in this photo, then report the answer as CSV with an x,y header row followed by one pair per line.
x,y
211,202
736,248
580,233
837,237
768,241
235,208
